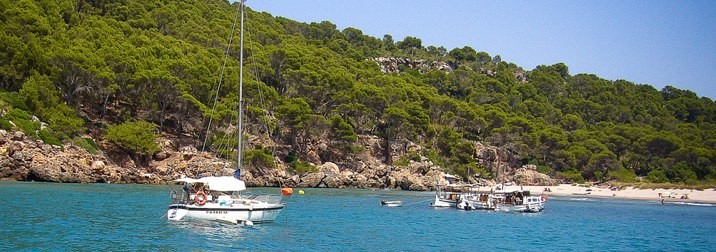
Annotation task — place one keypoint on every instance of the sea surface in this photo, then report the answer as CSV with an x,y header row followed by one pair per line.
x,y
110,217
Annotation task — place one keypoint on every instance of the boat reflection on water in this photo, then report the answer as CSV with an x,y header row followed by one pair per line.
x,y
210,230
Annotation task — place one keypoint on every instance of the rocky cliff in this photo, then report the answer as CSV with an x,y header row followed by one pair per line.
x,y
397,65
394,65
22,158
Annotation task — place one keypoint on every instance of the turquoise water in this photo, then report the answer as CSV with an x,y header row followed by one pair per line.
x,y
45,216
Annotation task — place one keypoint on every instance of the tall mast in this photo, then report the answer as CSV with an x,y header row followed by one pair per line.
x,y
241,87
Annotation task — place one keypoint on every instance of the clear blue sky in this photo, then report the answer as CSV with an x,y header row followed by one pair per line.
x,y
643,41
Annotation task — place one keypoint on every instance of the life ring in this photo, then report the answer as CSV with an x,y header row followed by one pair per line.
x,y
544,197
201,201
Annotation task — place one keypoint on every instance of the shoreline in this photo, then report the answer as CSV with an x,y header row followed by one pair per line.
x,y
569,190
668,195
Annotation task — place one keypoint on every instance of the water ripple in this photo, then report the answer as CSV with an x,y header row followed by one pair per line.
x,y
41,216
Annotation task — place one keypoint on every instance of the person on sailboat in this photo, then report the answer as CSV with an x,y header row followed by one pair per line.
x,y
237,173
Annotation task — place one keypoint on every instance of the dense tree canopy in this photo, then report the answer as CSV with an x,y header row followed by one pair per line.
x,y
80,65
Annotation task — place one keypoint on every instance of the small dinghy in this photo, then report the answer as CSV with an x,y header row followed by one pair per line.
x,y
391,203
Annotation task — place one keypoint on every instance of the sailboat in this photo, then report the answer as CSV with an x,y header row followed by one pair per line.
x,y
220,198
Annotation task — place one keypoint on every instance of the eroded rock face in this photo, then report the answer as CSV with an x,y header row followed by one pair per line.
x,y
22,158
528,175
394,65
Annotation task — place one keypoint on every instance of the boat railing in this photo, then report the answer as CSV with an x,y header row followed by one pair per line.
x,y
179,197
271,199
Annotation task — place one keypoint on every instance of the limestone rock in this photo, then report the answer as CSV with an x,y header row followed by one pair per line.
x,y
18,136
97,165
162,155
330,169
528,175
314,179
394,65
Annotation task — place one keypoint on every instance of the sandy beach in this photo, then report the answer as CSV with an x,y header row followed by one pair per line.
x,y
669,195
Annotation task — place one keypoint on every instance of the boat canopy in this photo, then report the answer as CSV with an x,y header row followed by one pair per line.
x,y
223,183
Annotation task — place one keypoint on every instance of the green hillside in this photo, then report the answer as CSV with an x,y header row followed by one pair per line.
x,y
109,67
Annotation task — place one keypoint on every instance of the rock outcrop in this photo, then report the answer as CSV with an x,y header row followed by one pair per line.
x,y
394,65
527,175
397,65
22,158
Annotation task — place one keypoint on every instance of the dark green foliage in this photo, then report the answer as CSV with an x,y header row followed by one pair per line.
x,y
135,136
295,112
544,169
657,176
63,121
23,121
49,138
300,167
159,61
297,166
571,175
622,175
5,124
410,44
223,144
38,94
342,130
86,143
258,158
405,160
13,100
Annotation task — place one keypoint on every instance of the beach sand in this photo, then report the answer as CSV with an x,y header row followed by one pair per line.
x,y
669,195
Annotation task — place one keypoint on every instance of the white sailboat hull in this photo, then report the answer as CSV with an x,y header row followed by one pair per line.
x,y
520,209
533,207
443,202
261,213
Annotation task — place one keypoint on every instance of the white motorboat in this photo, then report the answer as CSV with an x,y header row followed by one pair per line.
x,y
519,201
391,203
477,201
221,198
445,198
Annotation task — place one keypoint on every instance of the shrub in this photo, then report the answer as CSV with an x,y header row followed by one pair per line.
x,y
23,121
85,143
623,175
14,99
571,175
544,169
657,176
64,121
405,159
300,167
136,136
258,158
5,124
49,138
680,172
342,130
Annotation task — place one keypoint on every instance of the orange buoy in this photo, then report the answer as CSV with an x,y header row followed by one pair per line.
x,y
287,191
